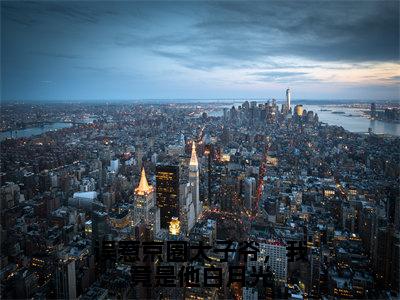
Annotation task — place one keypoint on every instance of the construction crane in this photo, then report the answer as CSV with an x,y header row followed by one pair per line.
x,y
261,173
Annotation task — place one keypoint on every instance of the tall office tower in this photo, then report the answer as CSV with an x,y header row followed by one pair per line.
x,y
66,280
233,114
315,269
186,207
167,190
288,99
144,199
209,153
100,227
249,191
195,182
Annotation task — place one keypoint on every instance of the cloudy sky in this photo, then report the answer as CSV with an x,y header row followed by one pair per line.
x,y
199,50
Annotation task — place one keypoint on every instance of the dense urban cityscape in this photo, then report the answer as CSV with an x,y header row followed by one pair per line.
x,y
261,175
199,150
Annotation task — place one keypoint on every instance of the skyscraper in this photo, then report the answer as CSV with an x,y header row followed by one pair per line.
x,y
288,99
249,187
299,110
167,190
65,280
144,199
194,181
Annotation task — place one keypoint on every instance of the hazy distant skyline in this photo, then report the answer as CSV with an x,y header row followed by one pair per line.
x,y
199,50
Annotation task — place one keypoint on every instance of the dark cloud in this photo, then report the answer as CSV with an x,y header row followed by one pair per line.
x,y
41,39
228,33
241,31
327,31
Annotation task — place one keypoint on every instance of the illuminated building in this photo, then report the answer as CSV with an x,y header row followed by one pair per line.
x,y
174,226
299,110
88,228
144,199
194,181
329,192
167,190
225,158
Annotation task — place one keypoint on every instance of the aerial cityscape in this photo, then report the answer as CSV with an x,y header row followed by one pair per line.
x,y
140,160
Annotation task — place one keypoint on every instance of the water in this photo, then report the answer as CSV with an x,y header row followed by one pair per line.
x,y
28,132
357,122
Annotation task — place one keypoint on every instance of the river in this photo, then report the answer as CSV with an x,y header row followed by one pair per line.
x,y
353,120
28,132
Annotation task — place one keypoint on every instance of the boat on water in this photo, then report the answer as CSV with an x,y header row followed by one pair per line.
x,y
338,112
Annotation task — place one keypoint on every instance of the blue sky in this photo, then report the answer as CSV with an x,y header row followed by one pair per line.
x,y
199,50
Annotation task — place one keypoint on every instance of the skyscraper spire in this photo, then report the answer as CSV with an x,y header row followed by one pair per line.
x,y
144,187
194,182
193,159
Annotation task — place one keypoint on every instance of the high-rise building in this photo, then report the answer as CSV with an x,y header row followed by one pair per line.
x,y
167,190
299,110
100,225
249,191
66,280
187,211
144,199
315,269
288,99
194,181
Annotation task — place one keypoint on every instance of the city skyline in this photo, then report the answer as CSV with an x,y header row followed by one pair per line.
x,y
230,149
199,50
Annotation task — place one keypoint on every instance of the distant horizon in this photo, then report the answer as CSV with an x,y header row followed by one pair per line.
x,y
192,100
191,50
